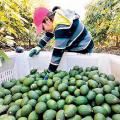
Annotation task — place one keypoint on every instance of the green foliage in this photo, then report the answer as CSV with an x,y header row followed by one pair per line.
x,y
103,21
16,20
3,55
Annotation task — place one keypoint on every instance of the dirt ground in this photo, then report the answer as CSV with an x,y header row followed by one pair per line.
x,y
110,50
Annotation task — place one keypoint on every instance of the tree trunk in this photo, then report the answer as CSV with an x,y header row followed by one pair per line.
x,y
117,41
29,43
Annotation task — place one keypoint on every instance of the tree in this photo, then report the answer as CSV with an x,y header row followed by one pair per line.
x,y
16,19
103,21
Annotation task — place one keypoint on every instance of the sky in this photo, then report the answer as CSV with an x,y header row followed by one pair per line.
x,y
76,5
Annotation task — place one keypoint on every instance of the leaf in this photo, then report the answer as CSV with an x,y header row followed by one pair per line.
x,y
11,30
4,55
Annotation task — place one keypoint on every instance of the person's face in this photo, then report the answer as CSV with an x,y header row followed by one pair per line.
x,y
47,25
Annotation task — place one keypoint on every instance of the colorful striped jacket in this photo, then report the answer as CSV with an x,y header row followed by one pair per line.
x,y
71,38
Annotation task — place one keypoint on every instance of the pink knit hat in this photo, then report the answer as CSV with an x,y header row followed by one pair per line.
x,y
39,15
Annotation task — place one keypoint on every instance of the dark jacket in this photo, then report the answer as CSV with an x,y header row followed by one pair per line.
x,y
71,38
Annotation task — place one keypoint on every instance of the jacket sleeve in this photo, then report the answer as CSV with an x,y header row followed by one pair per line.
x,y
60,45
45,39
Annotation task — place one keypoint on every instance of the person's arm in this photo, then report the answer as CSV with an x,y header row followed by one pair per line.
x,y
60,45
45,39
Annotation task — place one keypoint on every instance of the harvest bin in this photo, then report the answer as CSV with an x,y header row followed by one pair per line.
x,y
21,64
76,96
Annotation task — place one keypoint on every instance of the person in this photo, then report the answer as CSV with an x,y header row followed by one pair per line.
x,y
70,34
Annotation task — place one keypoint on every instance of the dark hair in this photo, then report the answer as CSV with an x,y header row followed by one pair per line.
x,y
51,15
55,8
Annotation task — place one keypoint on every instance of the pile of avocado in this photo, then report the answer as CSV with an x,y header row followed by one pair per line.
x,y
80,94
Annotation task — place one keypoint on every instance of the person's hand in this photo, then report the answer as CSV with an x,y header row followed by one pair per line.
x,y
47,75
34,51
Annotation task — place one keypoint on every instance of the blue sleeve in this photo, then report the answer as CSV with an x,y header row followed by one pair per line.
x,y
45,39
60,46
